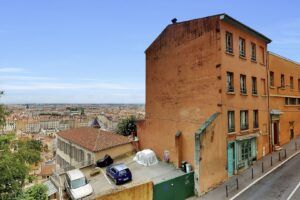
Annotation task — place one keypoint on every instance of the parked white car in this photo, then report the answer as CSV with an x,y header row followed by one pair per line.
x,y
77,186
146,157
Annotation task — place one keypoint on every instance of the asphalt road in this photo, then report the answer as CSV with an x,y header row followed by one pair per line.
x,y
280,184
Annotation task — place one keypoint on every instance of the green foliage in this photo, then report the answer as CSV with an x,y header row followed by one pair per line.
x,y
34,145
12,176
3,113
37,191
29,151
5,140
13,164
127,126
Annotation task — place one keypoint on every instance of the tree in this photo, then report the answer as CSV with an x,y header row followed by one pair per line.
x,y
127,126
3,113
12,176
29,151
38,191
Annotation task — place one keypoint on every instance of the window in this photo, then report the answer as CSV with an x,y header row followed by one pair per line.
x,y
242,47
229,42
262,52
244,119
231,127
263,85
292,82
74,153
286,101
282,81
243,84
81,155
254,85
230,83
255,118
272,79
253,51
246,150
299,84
292,101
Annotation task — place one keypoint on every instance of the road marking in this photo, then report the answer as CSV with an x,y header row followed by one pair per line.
x,y
269,172
105,176
293,192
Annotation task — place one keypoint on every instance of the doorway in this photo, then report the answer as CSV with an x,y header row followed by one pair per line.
x,y
275,133
292,133
231,159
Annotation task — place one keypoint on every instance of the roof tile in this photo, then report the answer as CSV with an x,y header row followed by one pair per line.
x,y
93,139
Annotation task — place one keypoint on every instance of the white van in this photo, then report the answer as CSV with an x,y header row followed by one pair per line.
x,y
77,185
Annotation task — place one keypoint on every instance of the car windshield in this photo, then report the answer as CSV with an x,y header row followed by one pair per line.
x,y
78,183
123,172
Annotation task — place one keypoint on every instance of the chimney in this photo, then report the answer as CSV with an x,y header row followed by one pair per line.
x,y
174,21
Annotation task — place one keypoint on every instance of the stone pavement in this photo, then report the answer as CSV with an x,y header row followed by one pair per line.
x,y
260,168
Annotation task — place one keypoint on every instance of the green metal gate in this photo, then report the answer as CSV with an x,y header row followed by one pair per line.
x,y
178,188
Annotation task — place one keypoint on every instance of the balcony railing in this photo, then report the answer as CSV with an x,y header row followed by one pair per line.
x,y
243,91
230,88
244,127
229,49
231,129
242,54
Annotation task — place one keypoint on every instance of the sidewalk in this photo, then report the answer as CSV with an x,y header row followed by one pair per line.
x,y
245,177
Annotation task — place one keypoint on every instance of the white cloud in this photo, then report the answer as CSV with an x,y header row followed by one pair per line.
x,y
24,78
10,69
69,86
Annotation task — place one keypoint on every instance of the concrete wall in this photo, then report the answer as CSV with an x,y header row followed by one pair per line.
x,y
280,65
182,86
115,152
143,191
213,156
236,101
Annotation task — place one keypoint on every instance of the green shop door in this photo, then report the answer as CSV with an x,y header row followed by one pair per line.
x,y
230,159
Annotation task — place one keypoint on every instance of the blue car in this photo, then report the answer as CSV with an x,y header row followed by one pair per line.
x,y
119,173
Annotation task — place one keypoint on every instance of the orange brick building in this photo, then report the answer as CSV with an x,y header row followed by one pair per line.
x,y
284,99
207,99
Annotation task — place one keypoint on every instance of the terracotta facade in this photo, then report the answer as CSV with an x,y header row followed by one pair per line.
x,y
207,98
284,99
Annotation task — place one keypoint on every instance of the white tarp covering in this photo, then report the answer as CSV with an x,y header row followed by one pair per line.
x,y
146,157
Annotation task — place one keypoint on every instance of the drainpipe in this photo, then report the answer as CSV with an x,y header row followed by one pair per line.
x,y
268,96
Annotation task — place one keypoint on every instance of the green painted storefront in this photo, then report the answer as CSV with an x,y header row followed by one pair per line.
x,y
240,154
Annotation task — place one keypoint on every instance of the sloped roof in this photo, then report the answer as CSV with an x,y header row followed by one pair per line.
x,y
222,17
93,139
52,189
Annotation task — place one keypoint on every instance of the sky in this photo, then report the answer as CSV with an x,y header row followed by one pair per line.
x,y
92,51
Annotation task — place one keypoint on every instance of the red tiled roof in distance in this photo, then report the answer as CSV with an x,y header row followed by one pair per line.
x,y
47,170
93,139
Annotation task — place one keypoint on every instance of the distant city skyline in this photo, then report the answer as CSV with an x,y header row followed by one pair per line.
x,y
93,51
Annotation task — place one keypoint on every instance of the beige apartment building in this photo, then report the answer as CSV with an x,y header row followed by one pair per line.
x,y
83,146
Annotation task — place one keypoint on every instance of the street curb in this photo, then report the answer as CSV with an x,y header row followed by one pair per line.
x,y
269,172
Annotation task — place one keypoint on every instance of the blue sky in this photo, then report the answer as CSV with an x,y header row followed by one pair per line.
x,y
92,51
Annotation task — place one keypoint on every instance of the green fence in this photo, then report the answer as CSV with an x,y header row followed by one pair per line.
x,y
178,188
